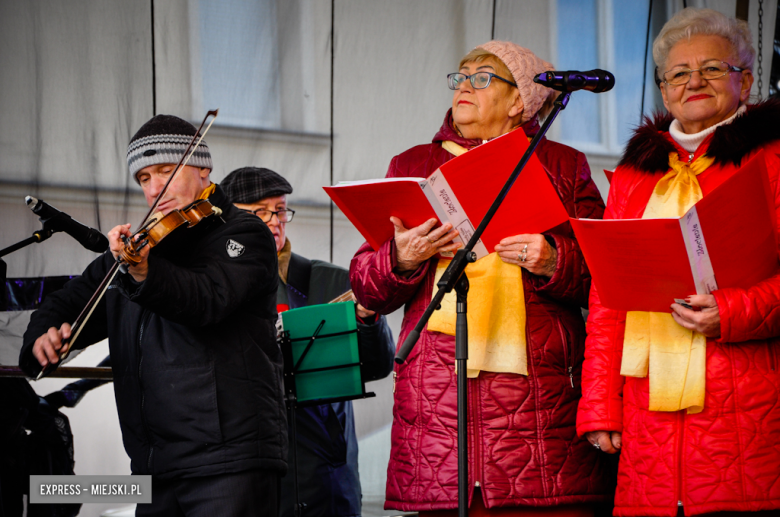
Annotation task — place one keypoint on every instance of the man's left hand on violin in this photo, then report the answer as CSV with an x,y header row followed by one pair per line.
x,y
116,242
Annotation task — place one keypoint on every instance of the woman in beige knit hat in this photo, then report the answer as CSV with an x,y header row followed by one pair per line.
x,y
525,455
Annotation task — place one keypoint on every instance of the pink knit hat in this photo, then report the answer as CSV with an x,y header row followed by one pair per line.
x,y
524,65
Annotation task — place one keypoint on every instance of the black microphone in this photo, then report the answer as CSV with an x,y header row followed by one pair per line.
x,y
58,221
596,81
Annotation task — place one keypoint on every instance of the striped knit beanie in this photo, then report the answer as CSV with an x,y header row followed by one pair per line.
x,y
163,140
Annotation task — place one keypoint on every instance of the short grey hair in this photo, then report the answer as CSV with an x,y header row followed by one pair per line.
x,y
690,22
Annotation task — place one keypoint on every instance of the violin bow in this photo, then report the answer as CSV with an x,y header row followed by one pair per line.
x,y
345,297
87,311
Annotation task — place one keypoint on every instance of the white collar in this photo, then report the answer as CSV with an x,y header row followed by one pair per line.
x,y
691,142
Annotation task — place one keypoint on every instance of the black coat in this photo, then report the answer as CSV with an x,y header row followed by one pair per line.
x,y
197,369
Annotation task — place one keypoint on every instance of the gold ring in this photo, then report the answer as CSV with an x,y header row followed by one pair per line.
x,y
429,239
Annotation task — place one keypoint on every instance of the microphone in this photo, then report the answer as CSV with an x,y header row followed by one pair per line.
x,y
596,81
88,237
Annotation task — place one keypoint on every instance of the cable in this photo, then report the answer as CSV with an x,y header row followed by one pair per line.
x,y
760,46
154,68
644,72
332,61
493,27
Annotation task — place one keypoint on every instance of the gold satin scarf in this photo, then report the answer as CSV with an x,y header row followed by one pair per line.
x,y
496,311
675,356
207,191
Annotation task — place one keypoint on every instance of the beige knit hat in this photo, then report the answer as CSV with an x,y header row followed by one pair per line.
x,y
524,65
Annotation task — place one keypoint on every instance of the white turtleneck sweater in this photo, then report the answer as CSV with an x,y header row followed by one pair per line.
x,y
691,142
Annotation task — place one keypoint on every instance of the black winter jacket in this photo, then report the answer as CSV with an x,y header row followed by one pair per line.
x,y
197,369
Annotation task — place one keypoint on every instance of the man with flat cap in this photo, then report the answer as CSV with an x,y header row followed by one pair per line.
x,y
191,331
328,479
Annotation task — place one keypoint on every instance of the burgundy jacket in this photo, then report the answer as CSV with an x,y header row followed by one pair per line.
x,y
727,457
523,446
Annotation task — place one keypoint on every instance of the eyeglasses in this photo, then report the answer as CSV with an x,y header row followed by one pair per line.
x,y
710,70
479,81
284,216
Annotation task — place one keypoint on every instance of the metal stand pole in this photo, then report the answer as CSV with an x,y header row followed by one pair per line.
x,y
461,358
291,399
38,236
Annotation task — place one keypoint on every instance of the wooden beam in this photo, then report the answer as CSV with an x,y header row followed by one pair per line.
x,y
68,372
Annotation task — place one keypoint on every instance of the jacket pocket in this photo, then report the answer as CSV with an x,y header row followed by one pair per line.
x,y
181,404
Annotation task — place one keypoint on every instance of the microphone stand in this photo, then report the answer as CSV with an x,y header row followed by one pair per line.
x,y
454,277
39,236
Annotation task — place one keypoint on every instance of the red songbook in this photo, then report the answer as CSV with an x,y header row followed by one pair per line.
x,y
727,239
460,192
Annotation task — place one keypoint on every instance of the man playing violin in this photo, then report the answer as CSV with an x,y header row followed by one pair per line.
x,y
327,451
197,370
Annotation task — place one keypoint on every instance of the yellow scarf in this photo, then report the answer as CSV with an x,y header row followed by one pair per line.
x,y
284,255
207,191
496,311
676,356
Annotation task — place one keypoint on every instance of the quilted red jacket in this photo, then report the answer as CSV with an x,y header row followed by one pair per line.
x,y
523,446
726,458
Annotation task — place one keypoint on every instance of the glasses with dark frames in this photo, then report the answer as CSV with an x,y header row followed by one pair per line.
x,y
479,81
284,216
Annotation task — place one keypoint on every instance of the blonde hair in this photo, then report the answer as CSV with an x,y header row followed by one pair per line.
x,y
479,55
707,22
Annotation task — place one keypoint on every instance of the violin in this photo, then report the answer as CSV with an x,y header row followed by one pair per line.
x,y
155,227
160,226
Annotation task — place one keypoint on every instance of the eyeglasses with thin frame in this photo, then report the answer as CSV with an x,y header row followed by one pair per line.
x,y
709,71
479,81
284,216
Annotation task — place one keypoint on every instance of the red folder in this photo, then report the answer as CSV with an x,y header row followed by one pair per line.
x,y
370,204
461,192
644,264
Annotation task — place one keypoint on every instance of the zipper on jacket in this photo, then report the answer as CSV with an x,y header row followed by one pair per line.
x,y
680,459
566,354
144,319
476,437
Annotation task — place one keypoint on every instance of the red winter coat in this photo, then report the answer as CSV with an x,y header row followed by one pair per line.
x,y
524,449
726,458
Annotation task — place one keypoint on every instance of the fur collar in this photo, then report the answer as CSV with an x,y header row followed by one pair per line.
x,y
649,148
